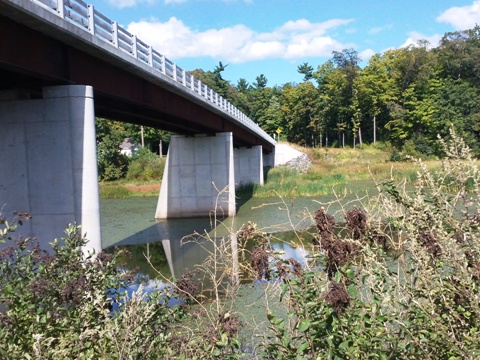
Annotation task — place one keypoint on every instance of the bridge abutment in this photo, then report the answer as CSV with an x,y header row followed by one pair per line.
x,y
198,177
49,163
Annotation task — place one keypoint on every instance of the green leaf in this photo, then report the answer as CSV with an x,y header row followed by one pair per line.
x,y
304,324
338,277
303,346
352,290
350,274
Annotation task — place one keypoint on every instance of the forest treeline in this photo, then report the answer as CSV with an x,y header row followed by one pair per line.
x,y
403,97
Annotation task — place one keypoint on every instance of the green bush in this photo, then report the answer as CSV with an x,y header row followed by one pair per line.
x,y
63,305
400,281
60,304
112,164
146,166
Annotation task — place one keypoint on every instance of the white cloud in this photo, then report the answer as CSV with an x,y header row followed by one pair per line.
x,y
167,2
462,18
365,55
415,36
128,3
293,40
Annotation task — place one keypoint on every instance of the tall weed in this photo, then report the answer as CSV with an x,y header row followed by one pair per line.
x,y
401,280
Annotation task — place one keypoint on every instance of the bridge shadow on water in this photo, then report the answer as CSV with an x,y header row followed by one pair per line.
x,y
129,223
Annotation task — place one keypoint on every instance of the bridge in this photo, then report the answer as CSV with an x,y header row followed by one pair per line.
x,y
61,64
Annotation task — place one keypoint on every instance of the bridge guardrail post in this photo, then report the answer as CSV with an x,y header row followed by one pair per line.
x,y
174,70
115,34
61,9
91,19
150,55
134,46
162,58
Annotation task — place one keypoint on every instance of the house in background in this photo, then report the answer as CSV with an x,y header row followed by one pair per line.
x,y
128,148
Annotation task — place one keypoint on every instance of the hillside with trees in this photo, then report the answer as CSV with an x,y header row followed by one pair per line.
x,y
404,97
400,100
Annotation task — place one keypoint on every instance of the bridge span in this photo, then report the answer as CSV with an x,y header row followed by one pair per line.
x,y
61,64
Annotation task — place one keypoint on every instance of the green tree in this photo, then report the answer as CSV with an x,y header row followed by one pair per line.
x,y
306,70
458,54
335,84
458,104
372,94
260,82
242,85
151,136
414,81
215,81
112,165
301,111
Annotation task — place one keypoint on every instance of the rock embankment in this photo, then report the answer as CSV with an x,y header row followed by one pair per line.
x,y
301,163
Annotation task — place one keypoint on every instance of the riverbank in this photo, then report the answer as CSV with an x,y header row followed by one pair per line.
x,y
131,220
333,170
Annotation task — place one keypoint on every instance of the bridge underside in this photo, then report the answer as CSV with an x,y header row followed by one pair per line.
x,y
30,60
49,167
49,76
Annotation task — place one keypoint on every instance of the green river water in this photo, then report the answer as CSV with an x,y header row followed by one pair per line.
x,y
130,223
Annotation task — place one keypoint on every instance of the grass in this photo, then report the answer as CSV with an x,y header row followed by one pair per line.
x,y
333,170
122,189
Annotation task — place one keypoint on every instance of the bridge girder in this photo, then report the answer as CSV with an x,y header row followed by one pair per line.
x,y
30,60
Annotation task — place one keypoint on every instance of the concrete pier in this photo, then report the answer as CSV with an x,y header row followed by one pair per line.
x,y
198,177
49,163
248,165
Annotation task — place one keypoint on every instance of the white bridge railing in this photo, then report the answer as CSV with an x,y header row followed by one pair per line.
x,y
86,17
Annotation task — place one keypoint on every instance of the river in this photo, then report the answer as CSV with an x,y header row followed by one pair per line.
x,y
130,224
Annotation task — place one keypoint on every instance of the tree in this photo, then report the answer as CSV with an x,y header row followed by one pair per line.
x,y
306,70
372,94
242,85
335,81
215,81
301,111
414,80
152,136
260,82
112,165
458,54
346,62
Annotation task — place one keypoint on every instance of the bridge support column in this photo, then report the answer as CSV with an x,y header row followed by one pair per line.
x,y
198,177
248,165
49,163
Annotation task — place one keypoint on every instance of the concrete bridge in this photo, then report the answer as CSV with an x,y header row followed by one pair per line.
x,y
61,64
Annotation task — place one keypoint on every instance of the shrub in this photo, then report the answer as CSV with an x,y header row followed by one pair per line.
x,y
402,280
60,304
146,166
112,165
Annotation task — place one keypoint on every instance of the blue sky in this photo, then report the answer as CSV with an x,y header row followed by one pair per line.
x,y
273,37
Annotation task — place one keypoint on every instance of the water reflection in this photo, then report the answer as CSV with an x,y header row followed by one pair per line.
x,y
168,258
128,223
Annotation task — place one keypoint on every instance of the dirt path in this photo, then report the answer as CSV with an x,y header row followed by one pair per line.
x,y
143,188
